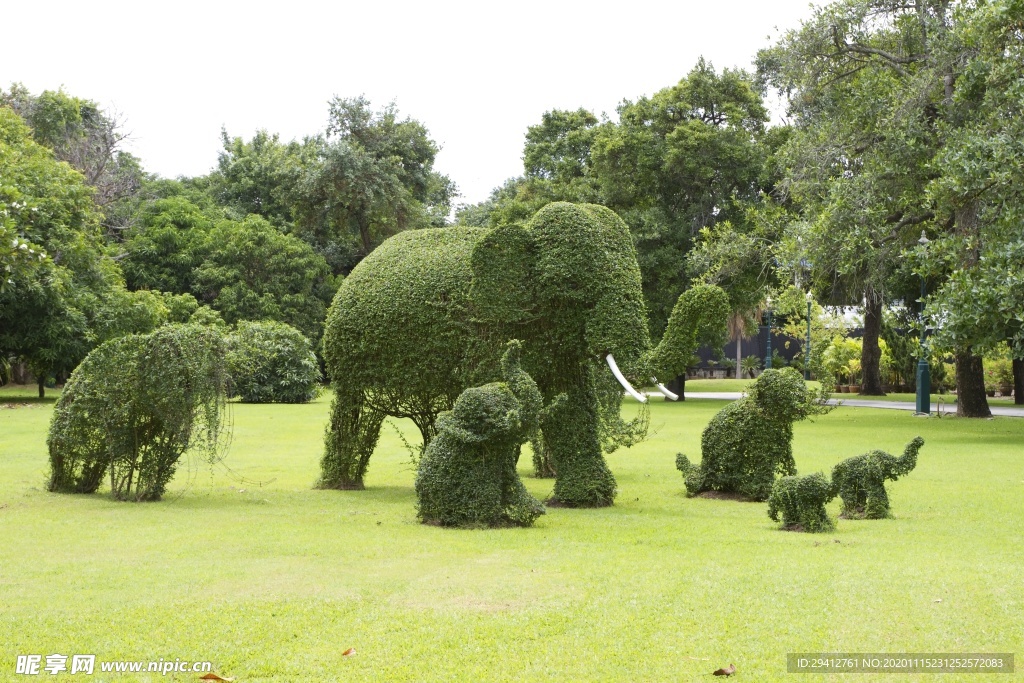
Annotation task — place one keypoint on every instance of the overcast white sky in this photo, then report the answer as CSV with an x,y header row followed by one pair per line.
x,y
476,74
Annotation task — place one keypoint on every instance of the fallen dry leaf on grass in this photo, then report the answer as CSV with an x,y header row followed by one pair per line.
x,y
348,652
728,671
214,677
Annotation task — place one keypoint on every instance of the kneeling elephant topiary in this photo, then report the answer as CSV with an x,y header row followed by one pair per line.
x,y
748,443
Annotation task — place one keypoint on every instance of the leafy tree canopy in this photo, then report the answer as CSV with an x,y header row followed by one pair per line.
x,y
254,272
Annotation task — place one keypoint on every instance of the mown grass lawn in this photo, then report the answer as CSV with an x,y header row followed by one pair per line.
x,y
271,580
727,385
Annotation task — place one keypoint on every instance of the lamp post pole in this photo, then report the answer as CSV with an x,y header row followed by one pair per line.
x,y
924,381
768,358
807,355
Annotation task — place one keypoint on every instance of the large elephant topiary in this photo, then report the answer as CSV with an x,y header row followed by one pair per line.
x,y
428,314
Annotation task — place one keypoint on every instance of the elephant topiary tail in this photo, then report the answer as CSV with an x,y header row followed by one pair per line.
x,y
692,474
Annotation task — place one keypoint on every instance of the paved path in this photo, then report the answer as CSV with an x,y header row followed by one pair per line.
x,y
1002,411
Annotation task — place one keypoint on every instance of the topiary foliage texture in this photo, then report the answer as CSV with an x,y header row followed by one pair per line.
x,y
271,362
860,480
133,407
747,444
428,313
801,501
467,476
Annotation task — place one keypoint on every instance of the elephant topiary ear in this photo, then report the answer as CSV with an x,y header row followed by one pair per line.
x,y
503,275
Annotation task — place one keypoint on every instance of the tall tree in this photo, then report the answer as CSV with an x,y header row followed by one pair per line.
x,y
682,160
48,312
260,176
79,132
373,176
254,272
168,242
979,179
873,87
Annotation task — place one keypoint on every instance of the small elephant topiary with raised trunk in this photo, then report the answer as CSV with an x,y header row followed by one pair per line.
x,y
861,480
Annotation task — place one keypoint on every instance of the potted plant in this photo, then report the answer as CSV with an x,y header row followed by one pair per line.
x,y
853,368
1002,370
750,365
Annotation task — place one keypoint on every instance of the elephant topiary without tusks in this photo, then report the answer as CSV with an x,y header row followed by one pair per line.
x,y
467,475
860,480
748,443
429,312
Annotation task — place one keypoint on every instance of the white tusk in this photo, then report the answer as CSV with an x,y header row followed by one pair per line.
x,y
622,380
661,387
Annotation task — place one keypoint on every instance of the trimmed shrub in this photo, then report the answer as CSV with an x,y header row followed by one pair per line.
x,y
467,476
747,444
271,362
133,407
860,480
801,501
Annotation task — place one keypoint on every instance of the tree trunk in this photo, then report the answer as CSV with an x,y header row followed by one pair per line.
x,y
970,385
1018,381
41,381
739,354
871,352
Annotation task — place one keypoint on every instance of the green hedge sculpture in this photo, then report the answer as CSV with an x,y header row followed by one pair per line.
x,y
428,314
748,443
860,480
801,502
271,362
134,407
467,476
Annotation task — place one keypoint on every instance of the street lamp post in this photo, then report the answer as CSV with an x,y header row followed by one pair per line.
x,y
807,354
924,381
768,358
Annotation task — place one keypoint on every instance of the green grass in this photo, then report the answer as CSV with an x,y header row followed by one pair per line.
x,y
272,580
727,385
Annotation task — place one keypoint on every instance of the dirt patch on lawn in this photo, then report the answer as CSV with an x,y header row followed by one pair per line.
x,y
725,495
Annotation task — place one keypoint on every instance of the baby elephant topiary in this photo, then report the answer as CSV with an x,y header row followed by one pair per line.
x,y
467,476
801,500
860,480
747,443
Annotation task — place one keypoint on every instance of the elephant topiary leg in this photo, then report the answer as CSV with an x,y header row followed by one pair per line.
x,y
351,437
571,432
877,506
